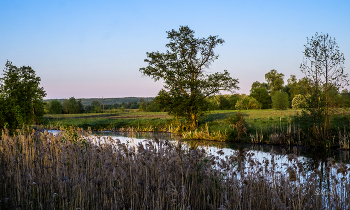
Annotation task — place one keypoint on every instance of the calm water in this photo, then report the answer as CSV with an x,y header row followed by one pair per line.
x,y
312,156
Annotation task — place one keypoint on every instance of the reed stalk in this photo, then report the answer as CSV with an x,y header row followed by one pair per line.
x,y
75,170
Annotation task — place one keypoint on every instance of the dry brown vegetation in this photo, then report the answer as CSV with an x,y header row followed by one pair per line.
x,y
74,170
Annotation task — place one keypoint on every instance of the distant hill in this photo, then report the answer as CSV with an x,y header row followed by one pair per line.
x,y
106,101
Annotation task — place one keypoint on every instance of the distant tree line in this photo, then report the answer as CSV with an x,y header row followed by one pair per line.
x,y
263,95
75,106
275,94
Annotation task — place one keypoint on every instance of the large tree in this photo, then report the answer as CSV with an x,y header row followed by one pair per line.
x,y
257,84
274,80
323,66
262,96
72,106
183,69
21,97
280,100
96,106
55,107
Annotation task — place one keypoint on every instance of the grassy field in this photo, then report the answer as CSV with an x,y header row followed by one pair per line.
x,y
117,120
133,114
142,121
250,115
257,126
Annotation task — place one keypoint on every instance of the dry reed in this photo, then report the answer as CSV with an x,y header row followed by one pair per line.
x,y
74,170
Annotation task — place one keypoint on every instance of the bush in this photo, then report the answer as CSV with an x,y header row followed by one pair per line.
x,y
238,124
253,103
247,102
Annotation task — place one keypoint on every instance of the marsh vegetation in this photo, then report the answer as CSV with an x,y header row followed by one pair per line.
x,y
284,127
74,170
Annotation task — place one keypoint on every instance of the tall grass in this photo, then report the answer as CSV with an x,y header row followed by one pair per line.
x,y
74,170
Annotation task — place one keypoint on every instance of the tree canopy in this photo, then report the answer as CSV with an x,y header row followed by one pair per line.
x,y
55,107
274,80
183,69
262,96
21,97
280,100
96,106
72,106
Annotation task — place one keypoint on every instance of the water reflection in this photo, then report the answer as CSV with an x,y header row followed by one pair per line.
x,y
314,157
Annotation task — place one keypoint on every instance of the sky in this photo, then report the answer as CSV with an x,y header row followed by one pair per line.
x,y
94,49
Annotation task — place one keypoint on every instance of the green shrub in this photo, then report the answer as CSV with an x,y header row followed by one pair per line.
x,y
253,103
247,102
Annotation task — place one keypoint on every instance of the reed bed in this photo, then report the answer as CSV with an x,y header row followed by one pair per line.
x,y
75,170
204,133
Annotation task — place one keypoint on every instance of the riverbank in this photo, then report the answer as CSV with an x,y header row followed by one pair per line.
x,y
74,170
256,126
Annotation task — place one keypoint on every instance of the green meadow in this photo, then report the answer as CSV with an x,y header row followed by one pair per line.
x,y
255,126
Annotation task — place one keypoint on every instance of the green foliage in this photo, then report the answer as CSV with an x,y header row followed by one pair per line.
x,y
55,107
345,97
274,80
108,102
182,68
239,126
21,98
311,124
150,107
300,101
224,103
253,103
234,118
335,99
143,106
247,102
323,66
153,107
257,84
132,105
293,86
72,106
304,86
233,100
280,100
96,106
242,103
262,96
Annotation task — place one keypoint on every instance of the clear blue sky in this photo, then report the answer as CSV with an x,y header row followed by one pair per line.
x,y
86,49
